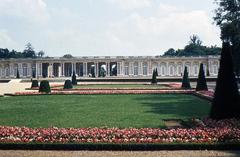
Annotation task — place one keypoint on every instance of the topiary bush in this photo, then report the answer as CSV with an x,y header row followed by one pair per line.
x,y
44,87
74,79
186,81
68,84
226,97
201,82
34,84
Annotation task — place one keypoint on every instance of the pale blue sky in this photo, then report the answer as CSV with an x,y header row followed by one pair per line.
x,y
105,27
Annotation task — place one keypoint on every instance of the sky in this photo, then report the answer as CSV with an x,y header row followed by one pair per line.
x,y
106,27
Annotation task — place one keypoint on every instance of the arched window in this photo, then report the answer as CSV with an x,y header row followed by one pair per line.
x,y
136,68
15,69
179,70
126,68
7,70
171,70
163,69
145,67
24,67
195,70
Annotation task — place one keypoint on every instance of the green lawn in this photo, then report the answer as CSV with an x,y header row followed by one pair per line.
x,y
99,110
137,86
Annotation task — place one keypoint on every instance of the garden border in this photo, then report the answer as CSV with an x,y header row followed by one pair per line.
x,y
119,147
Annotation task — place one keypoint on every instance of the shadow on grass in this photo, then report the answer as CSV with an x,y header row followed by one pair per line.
x,y
176,106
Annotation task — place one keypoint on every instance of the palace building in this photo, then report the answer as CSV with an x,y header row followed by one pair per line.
x,y
118,66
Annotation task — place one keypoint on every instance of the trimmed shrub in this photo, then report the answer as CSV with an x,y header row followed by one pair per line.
x,y
208,73
74,79
34,84
68,84
156,72
226,97
154,77
201,82
44,87
185,80
18,76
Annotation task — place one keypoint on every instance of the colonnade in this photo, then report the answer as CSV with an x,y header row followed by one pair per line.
x,y
139,66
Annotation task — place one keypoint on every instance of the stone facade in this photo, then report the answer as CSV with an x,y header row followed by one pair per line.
x,y
120,66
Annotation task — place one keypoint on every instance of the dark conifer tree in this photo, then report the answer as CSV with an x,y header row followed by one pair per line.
x,y
74,79
201,82
226,97
154,77
185,80
18,76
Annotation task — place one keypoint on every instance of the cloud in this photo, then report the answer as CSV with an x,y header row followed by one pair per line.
x,y
6,40
170,26
131,4
33,11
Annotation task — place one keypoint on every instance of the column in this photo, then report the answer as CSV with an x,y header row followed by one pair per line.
x,y
60,70
29,70
96,69
72,68
107,68
140,73
149,68
63,69
123,68
40,70
167,69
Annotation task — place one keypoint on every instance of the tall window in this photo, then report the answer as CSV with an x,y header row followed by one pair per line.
x,y
15,69
195,70
215,69
126,68
135,68
145,68
171,69
179,70
24,66
163,70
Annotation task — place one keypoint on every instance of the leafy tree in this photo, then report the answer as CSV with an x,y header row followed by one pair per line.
x,y
185,80
227,17
29,52
225,103
41,54
195,40
154,77
170,52
194,48
74,78
67,56
201,82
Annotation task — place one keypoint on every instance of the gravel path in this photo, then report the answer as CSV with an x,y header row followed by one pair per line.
x,y
118,154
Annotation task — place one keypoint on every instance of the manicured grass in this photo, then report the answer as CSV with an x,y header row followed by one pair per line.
x,y
137,86
122,111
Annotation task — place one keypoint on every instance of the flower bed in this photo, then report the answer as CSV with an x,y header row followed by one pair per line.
x,y
205,94
213,132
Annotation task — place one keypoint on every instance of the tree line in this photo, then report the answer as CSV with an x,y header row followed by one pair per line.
x,y
28,52
194,48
